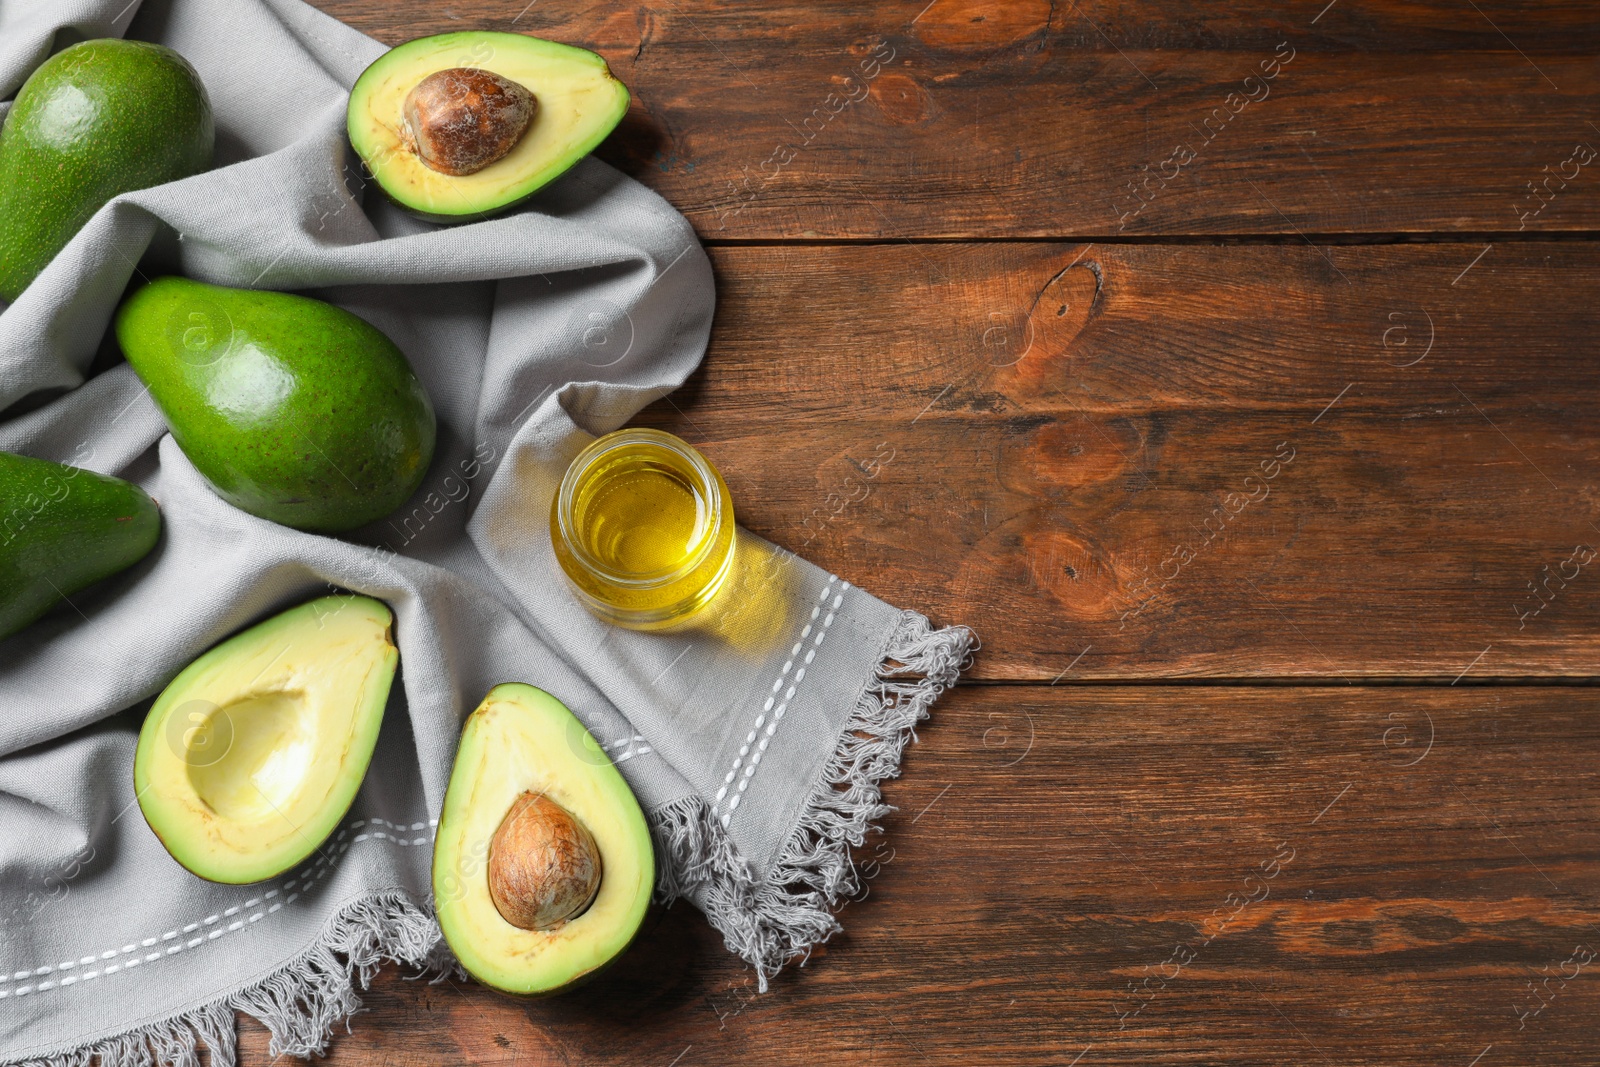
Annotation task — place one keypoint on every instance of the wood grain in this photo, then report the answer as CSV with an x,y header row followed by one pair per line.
x,y
1436,853
1037,119
1073,430
1178,460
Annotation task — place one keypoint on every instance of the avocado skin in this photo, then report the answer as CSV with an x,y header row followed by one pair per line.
x,y
63,529
293,409
96,120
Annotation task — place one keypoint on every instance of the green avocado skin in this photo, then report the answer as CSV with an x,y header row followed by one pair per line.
x,y
62,529
293,409
96,120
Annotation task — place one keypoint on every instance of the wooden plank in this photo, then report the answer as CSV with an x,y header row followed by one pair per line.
x,y
1137,25
1227,462
1034,119
1250,876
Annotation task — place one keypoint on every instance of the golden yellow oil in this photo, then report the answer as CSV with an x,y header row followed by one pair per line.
x,y
643,529
638,516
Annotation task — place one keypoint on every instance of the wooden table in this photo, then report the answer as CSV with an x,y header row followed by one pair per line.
x,y
1232,373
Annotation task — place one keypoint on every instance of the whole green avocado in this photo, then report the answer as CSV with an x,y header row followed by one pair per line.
x,y
96,120
294,410
61,529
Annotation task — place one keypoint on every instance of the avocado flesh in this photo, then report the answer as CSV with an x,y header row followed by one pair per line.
x,y
293,409
522,739
96,120
251,757
63,529
578,104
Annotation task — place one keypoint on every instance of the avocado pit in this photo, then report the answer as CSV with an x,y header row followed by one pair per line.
x,y
544,866
459,120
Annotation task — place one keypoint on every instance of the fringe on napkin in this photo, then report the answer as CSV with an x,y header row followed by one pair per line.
x,y
774,921
300,1003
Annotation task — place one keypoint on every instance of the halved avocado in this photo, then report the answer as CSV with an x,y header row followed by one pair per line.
x,y
252,756
543,865
463,95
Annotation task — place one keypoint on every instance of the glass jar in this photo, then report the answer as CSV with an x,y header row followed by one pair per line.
x,y
643,529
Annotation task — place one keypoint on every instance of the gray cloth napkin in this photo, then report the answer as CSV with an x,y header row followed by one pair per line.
x,y
755,744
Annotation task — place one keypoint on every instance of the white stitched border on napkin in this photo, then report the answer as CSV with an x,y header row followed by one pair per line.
x,y
294,887
777,715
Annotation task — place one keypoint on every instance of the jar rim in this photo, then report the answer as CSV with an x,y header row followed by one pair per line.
x,y
706,487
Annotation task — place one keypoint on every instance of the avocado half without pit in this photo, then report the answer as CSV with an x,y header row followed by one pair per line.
x,y
254,753
543,865
460,126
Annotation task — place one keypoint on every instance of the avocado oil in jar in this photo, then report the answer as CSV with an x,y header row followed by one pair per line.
x,y
643,529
